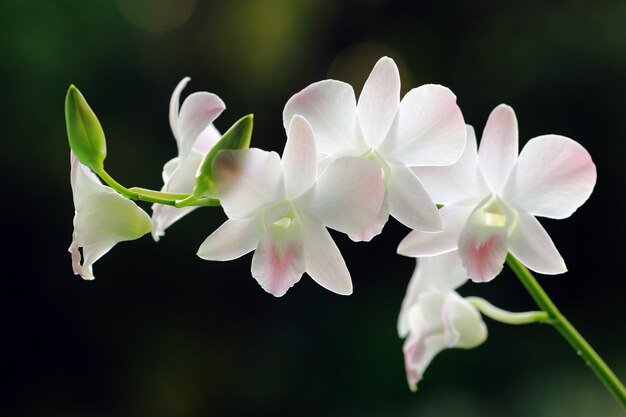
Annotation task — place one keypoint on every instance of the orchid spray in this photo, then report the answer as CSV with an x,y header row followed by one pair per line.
x,y
347,165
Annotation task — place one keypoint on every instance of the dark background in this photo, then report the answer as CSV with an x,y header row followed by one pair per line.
x,y
162,333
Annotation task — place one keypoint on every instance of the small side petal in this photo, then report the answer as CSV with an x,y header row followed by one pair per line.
x,y
419,352
207,139
232,240
379,101
428,131
531,244
330,108
323,260
554,175
499,146
175,107
247,179
410,203
418,244
299,157
464,326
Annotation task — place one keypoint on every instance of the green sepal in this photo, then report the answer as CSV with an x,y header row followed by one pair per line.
x,y
84,131
237,137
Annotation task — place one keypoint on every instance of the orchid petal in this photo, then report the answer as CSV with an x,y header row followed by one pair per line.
x,y
198,111
323,260
418,244
460,183
330,108
499,146
531,244
375,227
483,240
246,180
102,219
175,107
428,130
179,177
347,196
299,157
379,101
465,327
278,262
409,201
554,175
440,274
207,139
233,239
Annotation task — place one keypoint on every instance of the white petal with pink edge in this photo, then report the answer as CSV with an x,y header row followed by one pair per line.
x,y
554,175
428,130
330,108
233,239
299,159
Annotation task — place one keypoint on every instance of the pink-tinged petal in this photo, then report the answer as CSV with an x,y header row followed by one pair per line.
x,y
233,239
419,352
330,108
459,183
531,244
279,262
299,157
482,251
409,201
554,175
428,131
375,227
247,179
207,139
499,147
198,111
418,244
169,168
175,107
165,216
379,101
347,196
323,260
464,327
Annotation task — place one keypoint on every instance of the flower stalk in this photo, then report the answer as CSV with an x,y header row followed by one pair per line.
x,y
583,349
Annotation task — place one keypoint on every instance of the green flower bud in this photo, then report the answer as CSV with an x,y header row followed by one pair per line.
x,y
84,132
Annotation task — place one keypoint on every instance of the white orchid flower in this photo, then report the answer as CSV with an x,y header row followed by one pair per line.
x,y
102,218
426,128
491,197
195,136
281,207
434,316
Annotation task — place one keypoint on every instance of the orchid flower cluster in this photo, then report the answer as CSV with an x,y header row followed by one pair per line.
x,y
348,165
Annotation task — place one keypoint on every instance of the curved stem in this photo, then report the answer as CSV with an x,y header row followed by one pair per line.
x,y
508,317
584,350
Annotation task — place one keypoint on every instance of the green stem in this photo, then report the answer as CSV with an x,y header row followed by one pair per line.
x,y
133,195
158,194
584,350
508,317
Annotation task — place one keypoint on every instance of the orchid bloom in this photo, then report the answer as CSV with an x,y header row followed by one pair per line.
x,y
102,218
434,316
195,136
426,128
281,207
491,197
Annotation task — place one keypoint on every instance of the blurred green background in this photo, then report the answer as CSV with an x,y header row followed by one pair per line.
x,y
162,333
